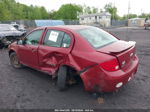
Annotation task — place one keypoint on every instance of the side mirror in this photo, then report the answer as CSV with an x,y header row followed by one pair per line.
x,y
24,41
21,42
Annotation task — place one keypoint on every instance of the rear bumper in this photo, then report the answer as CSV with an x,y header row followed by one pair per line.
x,y
97,80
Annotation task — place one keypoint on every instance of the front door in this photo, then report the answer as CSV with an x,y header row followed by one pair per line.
x,y
28,52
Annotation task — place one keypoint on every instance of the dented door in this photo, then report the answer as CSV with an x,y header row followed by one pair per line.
x,y
54,51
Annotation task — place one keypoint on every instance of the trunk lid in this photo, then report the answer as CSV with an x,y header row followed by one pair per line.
x,y
122,50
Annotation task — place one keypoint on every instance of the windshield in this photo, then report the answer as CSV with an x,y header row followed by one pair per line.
x,y
7,28
97,37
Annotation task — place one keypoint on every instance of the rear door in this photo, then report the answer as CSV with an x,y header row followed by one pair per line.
x,y
54,51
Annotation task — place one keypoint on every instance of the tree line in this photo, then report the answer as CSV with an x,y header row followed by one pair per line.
x,y
11,10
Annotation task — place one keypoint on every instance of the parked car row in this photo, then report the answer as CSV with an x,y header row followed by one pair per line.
x,y
20,27
9,34
147,25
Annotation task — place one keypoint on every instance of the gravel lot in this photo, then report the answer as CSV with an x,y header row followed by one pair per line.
x,y
29,89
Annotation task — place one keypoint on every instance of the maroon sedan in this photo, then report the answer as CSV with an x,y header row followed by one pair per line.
x,y
103,62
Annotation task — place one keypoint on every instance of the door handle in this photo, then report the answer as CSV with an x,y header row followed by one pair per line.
x,y
57,54
34,50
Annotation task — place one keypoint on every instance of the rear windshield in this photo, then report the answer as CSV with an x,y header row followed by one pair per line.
x,y
97,37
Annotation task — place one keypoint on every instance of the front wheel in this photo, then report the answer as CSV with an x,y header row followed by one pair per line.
x,y
15,61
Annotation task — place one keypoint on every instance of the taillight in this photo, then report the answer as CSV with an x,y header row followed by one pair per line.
x,y
134,57
111,65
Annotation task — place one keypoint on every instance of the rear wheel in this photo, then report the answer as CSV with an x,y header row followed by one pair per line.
x,y
147,27
15,61
62,78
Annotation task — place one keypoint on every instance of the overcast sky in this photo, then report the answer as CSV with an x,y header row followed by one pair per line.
x,y
136,6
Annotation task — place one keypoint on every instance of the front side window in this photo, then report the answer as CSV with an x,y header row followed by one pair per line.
x,y
97,37
34,37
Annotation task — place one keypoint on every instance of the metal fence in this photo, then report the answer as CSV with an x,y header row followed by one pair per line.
x,y
71,22
27,23
119,23
33,23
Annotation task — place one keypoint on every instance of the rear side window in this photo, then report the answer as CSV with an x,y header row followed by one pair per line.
x,y
66,41
53,38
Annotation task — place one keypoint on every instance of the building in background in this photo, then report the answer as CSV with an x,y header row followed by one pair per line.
x,y
136,22
104,19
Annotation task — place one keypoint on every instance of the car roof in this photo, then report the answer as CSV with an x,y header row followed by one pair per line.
x,y
68,27
73,27
5,25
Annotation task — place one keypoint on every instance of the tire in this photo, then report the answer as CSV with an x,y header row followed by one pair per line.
x,y
145,28
1,45
15,61
62,78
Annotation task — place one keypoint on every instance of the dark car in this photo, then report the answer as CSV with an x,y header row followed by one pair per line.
x,y
8,34
103,62
147,25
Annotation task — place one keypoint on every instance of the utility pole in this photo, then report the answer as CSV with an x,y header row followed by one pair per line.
x,y
113,11
128,8
127,33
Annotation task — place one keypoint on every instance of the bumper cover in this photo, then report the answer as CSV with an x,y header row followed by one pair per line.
x,y
96,79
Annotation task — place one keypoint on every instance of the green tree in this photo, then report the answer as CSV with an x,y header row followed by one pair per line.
x,y
68,12
112,10
88,10
52,14
144,15
94,10
10,10
4,12
129,16
44,13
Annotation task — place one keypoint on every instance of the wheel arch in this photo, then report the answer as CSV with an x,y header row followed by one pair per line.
x,y
74,69
69,66
11,51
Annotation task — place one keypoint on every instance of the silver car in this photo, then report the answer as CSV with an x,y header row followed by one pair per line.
x,y
8,34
